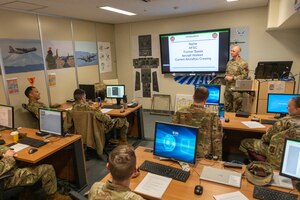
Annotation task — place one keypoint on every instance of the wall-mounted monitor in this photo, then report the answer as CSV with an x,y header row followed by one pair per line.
x,y
195,52
272,69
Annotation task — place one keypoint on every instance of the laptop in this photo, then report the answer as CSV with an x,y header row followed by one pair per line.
x,y
222,176
243,85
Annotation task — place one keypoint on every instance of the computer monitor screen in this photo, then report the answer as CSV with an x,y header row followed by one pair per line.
x,y
115,91
278,103
89,91
214,93
272,69
51,121
175,141
6,116
290,164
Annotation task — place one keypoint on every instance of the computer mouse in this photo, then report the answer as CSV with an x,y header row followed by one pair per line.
x,y
32,150
227,120
198,189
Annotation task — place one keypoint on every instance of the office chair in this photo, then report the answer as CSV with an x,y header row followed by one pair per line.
x,y
25,106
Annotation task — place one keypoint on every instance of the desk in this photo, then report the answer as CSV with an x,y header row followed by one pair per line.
x,y
136,128
234,131
185,190
64,153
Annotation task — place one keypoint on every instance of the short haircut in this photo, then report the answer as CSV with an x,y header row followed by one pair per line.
x,y
297,101
122,162
240,49
28,90
201,94
78,94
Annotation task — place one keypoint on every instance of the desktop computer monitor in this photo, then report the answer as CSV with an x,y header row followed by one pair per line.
x,y
6,116
290,164
51,121
90,91
272,69
214,93
278,103
115,92
175,141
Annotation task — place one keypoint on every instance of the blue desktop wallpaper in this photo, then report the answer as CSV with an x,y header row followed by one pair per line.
x,y
175,141
214,93
278,103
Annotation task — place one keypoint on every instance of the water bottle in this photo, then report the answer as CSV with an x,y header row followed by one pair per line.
x,y
99,102
125,101
221,111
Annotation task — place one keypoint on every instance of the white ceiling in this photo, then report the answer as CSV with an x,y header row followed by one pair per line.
x,y
153,9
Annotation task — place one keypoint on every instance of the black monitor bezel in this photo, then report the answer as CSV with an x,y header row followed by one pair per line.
x,y
88,97
208,85
283,154
271,67
114,97
61,118
182,125
13,116
282,94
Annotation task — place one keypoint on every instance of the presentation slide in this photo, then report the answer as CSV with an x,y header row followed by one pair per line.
x,y
194,52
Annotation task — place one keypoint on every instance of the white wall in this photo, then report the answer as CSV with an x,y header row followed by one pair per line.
x,y
263,45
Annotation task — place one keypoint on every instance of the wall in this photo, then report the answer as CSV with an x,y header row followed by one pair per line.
x,y
29,26
263,45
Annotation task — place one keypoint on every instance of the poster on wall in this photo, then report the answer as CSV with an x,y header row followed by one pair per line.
x,y
31,80
21,55
52,79
239,36
86,53
182,101
12,85
145,67
58,54
104,55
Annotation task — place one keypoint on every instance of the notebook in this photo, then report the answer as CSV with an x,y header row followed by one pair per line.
x,y
222,176
245,85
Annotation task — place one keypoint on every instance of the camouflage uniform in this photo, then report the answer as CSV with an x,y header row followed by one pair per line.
x,y
239,70
271,144
110,191
27,176
210,129
109,124
34,107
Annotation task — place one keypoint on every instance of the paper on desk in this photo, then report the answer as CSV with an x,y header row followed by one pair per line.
x,y
69,108
231,196
153,185
105,110
18,147
252,124
281,181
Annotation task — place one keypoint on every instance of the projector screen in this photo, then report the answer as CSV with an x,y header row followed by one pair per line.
x,y
195,52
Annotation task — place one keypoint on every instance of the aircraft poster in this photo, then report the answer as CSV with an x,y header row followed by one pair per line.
x,y
86,53
58,54
21,55
104,51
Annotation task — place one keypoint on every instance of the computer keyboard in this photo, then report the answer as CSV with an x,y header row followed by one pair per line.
x,y
260,192
268,121
114,106
163,170
32,142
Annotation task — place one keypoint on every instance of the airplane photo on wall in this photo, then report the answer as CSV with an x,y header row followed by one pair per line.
x,y
86,53
21,55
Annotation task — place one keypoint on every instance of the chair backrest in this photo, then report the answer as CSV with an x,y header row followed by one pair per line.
x,y
25,106
91,130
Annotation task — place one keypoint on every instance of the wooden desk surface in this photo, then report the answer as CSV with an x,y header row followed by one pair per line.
x,y
113,112
55,144
235,122
185,190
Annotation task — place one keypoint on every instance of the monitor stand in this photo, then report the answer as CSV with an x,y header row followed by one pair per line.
x,y
298,186
281,115
118,105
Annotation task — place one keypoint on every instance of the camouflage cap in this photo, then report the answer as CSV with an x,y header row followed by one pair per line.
x,y
259,173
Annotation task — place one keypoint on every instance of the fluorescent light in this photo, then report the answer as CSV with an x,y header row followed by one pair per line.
x,y
231,0
117,10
